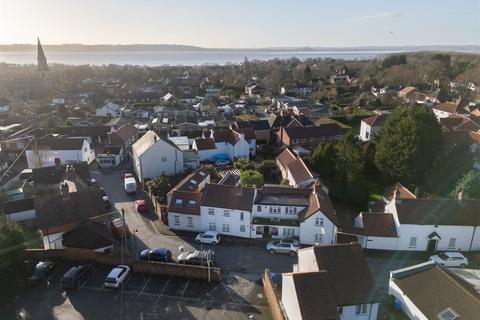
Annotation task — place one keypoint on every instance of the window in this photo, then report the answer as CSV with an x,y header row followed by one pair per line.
x,y
361,309
242,228
212,226
319,222
19,145
176,220
273,231
226,213
191,203
287,232
178,202
211,212
226,228
164,159
340,311
286,209
189,222
259,208
413,242
271,209
295,210
241,216
451,243
318,238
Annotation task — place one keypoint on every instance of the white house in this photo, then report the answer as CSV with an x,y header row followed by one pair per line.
x,y
294,170
281,211
154,156
428,291
224,143
184,202
19,210
109,109
370,126
416,224
110,157
47,151
227,209
330,282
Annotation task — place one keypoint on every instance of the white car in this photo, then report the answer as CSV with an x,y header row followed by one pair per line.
x,y
117,276
450,259
208,237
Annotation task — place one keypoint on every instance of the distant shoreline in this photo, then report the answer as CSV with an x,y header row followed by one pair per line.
x,y
186,48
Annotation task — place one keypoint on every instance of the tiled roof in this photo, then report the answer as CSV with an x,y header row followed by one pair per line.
x,y
348,272
229,197
403,193
190,182
125,132
205,144
376,120
255,124
299,170
319,201
433,289
229,136
86,131
439,212
185,202
285,157
315,295
375,225
76,207
407,90
90,235
324,130
248,132
55,174
18,205
58,144
283,195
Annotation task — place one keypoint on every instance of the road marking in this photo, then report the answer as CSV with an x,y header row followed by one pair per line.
x,y
165,286
185,289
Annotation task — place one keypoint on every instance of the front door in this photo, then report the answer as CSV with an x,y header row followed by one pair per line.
x,y
432,246
266,232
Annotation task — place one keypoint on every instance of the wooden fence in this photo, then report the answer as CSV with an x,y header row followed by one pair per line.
x,y
274,305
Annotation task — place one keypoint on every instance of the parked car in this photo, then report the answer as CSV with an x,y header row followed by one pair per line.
x,y
197,257
156,254
141,206
130,185
75,275
42,270
208,237
116,277
295,242
450,259
128,175
120,229
106,202
221,163
277,246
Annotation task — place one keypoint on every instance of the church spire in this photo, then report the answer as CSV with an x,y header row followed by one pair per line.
x,y
41,59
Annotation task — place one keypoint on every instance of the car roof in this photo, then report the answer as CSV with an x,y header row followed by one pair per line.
x,y
454,254
159,250
141,201
211,232
116,271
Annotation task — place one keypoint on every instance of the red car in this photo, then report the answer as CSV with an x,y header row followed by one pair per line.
x,y
141,206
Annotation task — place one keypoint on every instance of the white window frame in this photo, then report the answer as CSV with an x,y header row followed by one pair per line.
x,y
413,242
211,212
242,228
176,220
319,222
226,228
212,226
226,213
452,242
319,238
190,222
242,216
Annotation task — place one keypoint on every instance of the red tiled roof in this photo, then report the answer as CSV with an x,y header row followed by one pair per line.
x,y
285,157
185,202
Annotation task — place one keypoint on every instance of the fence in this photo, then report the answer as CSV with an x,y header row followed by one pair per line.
x,y
161,268
158,207
272,300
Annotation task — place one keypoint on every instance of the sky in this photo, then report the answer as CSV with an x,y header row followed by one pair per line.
x,y
242,23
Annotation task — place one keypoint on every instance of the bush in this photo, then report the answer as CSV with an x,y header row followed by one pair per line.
x,y
244,164
251,178
159,186
269,170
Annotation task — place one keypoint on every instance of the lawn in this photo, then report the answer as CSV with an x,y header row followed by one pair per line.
x,y
246,117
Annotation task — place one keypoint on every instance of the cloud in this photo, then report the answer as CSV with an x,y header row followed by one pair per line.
x,y
380,15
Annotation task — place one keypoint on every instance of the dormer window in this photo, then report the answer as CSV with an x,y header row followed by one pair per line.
x,y
191,203
178,202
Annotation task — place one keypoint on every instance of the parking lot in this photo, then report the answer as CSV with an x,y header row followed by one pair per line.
x,y
142,296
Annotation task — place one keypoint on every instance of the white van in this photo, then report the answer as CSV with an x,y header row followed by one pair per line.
x,y
130,185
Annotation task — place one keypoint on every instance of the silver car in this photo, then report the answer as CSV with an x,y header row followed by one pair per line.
x,y
278,246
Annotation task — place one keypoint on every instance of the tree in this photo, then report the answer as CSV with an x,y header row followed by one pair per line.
x,y
468,186
322,160
11,245
159,186
269,170
350,162
244,164
251,178
407,144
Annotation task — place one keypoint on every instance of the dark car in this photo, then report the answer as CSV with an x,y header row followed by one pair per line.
x,y
42,270
76,275
156,254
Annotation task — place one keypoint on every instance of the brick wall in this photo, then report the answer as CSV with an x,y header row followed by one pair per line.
x,y
272,300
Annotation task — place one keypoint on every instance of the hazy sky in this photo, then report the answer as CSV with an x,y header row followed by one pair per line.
x,y
241,23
